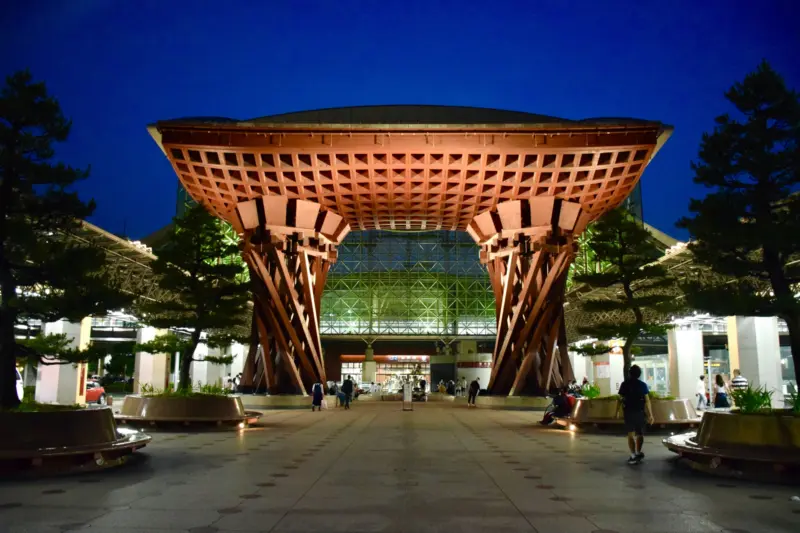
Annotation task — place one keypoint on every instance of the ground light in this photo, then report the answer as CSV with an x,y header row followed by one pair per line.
x,y
573,427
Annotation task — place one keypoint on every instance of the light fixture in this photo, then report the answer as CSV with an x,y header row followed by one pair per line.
x,y
241,425
573,427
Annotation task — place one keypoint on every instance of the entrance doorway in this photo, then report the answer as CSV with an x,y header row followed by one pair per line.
x,y
390,370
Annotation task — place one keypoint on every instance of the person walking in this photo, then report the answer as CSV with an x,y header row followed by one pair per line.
x,y
474,389
721,400
739,382
702,401
637,411
347,390
316,397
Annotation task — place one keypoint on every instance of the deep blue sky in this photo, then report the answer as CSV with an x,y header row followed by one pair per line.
x,y
118,65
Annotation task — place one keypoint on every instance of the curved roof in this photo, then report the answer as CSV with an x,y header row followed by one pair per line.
x,y
388,115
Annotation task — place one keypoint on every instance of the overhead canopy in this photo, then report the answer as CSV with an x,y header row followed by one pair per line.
x,y
409,167
128,263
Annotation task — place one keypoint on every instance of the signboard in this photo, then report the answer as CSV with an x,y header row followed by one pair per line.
x,y
602,370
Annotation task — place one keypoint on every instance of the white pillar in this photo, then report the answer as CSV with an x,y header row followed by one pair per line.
x,y
685,349
608,370
579,366
65,384
369,367
151,369
471,365
239,353
754,348
206,373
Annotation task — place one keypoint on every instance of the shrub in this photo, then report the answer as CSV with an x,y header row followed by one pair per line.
x,y
794,402
752,400
147,389
29,394
656,396
591,391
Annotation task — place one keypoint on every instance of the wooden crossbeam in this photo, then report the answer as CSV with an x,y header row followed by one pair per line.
x,y
293,298
310,301
524,296
266,341
280,321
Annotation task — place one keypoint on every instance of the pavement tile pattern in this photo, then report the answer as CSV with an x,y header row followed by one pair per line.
x,y
375,468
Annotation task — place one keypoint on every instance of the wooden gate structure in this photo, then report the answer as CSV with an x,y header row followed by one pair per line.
x,y
524,186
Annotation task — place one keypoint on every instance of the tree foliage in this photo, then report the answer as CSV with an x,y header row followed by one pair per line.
x,y
43,274
210,295
122,357
746,229
641,290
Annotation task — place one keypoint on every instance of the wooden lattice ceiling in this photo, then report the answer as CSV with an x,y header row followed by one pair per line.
x,y
409,176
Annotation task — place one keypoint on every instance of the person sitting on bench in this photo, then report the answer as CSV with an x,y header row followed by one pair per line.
x,y
562,407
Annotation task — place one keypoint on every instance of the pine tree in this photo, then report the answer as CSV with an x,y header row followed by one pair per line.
x,y
643,292
43,274
210,294
747,229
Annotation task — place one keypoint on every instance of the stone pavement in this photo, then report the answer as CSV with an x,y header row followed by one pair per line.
x,y
375,468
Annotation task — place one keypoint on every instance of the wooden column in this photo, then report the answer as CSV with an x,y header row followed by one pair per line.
x,y
288,246
528,246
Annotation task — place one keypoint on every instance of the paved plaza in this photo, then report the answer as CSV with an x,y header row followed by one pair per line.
x,y
375,468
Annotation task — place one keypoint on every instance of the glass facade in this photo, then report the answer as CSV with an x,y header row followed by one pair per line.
x,y
408,283
353,370
392,371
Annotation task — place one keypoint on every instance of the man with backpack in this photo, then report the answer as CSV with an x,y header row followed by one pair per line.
x,y
637,411
347,390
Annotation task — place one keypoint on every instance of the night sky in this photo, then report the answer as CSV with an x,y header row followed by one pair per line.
x,y
118,65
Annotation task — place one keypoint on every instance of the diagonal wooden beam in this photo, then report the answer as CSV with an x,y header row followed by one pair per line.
x,y
282,317
277,344
321,277
495,272
508,279
285,351
533,316
309,301
264,305
532,351
294,301
527,284
547,367
269,366
567,372
248,370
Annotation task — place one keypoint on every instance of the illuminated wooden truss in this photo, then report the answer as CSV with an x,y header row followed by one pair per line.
x,y
293,185
289,246
527,246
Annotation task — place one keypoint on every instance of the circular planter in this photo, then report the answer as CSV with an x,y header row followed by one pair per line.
x,y
603,412
764,446
64,441
198,410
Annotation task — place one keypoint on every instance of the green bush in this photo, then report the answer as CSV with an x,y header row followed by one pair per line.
x,y
29,394
752,400
794,402
147,389
28,405
591,391
656,396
